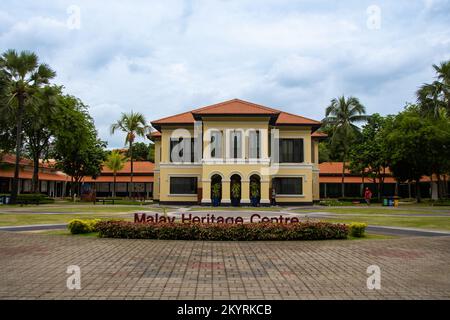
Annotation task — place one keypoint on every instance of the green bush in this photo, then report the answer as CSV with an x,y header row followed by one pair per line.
x,y
331,203
37,198
229,232
77,226
357,229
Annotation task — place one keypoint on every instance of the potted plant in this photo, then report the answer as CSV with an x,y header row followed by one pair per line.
x,y
215,194
254,193
235,194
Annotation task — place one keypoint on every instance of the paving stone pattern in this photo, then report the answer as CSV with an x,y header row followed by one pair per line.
x,y
34,267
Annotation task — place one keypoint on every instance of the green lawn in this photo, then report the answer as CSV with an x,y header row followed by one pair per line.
x,y
29,219
435,223
78,208
379,210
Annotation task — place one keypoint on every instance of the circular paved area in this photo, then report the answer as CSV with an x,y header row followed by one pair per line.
x,y
34,266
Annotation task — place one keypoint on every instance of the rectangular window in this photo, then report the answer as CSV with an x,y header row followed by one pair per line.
x,y
216,144
236,145
289,186
291,150
254,144
182,149
183,185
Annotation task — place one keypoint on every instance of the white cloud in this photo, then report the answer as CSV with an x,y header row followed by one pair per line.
x,y
161,58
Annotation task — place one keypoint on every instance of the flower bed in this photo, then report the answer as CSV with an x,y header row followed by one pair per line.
x,y
227,232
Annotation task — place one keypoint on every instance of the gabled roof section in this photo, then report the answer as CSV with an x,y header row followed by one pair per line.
x,y
237,107
286,118
185,117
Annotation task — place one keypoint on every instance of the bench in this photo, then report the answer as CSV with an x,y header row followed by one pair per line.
x,y
104,200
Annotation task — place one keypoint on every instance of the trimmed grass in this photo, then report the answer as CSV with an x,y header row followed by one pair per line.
x,y
378,210
76,208
435,223
30,219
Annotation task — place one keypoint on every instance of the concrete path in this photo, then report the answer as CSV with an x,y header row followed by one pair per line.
x,y
35,267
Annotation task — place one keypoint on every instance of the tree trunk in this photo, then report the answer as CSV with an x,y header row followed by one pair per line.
x,y
418,196
72,184
130,192
35,179
342,181
114,185
362,189
15,183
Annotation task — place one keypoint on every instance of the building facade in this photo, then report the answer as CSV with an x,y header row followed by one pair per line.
x,y
236,151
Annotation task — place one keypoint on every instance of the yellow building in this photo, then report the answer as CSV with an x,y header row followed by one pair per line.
x,y
236,153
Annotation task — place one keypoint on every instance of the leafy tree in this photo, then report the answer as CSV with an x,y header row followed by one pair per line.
x,y
7,119
133,124
417,145
37,125
115,161
434,98
368,157
341,116
324,152
77,149
140,151
151,152
25,75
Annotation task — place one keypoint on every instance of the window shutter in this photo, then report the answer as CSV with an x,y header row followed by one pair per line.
x,y
239,144
252,145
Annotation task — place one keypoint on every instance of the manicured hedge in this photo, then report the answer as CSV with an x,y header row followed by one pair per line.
x,y
34,198
357,229
77,226
241,232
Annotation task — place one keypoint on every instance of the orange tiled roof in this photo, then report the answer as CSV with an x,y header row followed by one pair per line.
x,y
237,107
336,168
53,176
291,119
138,167
119,179
155,134
319,135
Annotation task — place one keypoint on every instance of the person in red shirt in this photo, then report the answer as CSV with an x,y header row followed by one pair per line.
x,y
367,195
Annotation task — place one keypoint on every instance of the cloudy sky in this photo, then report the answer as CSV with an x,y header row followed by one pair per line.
x,y
166,57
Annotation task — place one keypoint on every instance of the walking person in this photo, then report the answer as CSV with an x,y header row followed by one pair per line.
x,y
367,195
274,194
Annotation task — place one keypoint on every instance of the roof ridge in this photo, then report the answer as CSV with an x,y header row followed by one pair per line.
x,y
175,115
235,100
296,115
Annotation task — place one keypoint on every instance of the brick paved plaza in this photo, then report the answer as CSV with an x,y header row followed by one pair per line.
x,y
34,266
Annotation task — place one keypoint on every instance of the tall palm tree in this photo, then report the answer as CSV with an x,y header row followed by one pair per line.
x,y
115,162
435,97
341,116
133,124
26,75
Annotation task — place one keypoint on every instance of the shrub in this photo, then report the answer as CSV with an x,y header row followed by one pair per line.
x,y
331,203
357,229
242,232
37,198
77,226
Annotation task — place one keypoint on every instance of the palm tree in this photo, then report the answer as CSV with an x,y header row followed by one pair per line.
x,y
133,124
435,97
26,75
341,116
115,162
